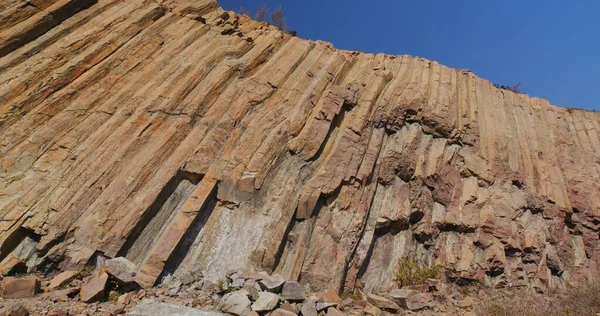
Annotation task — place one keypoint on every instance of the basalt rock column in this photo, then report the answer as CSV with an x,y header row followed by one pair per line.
x,y
183,137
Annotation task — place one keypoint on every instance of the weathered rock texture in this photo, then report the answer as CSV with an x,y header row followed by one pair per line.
x,y
182,137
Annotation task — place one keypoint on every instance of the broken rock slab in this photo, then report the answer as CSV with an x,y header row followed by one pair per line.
x,y
323,306
309,309
401,296
162,309
293,291
382,302
330,296
62,279
419,301
272,283
19,287
282,312
334,312
65,294
266,302
234,303
289,307
93,287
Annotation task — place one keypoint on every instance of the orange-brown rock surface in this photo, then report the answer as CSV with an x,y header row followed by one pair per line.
x,y
181,137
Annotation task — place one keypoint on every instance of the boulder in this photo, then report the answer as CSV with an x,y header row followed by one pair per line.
x,y
247,274
266,302
237,283
330,296
126,298
293,291
418,287
163,309
282,312
309,309
334,312
289,307
19,287
121,269
249,312
371,309
15,309
272,283
400,296
382,302
234,303
66,293
190,277
419,301
322,306
114,309
252,288
93,287
62,279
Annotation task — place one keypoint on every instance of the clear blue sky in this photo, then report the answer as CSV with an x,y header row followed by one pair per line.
x,y
552,47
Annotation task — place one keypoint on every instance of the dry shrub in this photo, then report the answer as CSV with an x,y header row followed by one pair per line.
x,y
574,301
411,271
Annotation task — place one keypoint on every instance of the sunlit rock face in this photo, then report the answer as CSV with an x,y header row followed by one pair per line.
x,y
183,137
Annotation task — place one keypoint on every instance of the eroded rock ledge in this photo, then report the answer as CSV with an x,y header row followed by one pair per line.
x,y
184,137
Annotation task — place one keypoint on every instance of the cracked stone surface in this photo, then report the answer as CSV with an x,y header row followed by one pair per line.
x,y
181,137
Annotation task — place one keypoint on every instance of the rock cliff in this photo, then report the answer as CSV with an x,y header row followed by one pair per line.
x,y
182,137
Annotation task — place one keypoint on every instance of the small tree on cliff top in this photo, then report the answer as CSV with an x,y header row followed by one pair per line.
x,y
276,18
262,13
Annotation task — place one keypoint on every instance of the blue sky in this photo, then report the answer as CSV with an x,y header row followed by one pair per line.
x,y
552,47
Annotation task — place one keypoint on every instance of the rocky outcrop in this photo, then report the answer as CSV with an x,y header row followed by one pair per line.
x,y
183,137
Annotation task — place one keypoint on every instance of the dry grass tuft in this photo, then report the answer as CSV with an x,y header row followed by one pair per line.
x,y
571,302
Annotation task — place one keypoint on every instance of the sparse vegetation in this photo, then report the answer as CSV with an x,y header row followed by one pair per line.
x,y
411,271
514,88
276,17
224,287
354,294
115,289
571,302
85,271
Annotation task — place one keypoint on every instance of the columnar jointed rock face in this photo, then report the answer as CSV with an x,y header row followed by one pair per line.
x,y
184,137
